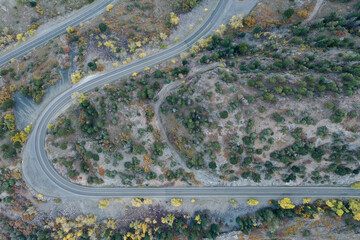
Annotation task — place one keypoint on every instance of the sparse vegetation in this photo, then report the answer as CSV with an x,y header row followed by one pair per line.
x,y
269,99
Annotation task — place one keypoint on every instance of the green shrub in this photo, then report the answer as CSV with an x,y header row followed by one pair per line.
x,y
102,27
224,114
278,118
4,72
92,66
322,131
261,109
257,30
158,74
63,146
233,159
32,3
288,13
7,104
301,32
212,165
242,48
355,185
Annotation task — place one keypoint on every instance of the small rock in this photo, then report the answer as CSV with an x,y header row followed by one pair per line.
x,y
240,96
245,101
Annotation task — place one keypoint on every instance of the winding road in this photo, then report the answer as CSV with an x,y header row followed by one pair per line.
x,y
39,173
55,31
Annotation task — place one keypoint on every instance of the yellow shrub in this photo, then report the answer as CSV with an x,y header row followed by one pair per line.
x,y
330,203
168,219
19,137
354,206
336,206
9,121
12,88
252,202
355,185
110,223
339,212
29,33
19,37
136,202
109,7
28,129
286,203
233,202
142,55
221,30
204,42
236,21
138,44
104,203
174,19
39,10
16,173
163,36
10,117
176,202
110,44
148,201
194,49
70,29
198,219
78,97
127,60
75,77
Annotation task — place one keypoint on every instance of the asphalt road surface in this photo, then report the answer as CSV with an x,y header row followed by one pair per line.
x,y
56,31
41,175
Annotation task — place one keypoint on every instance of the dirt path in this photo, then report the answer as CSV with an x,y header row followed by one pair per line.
x,y
161,97
314,12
